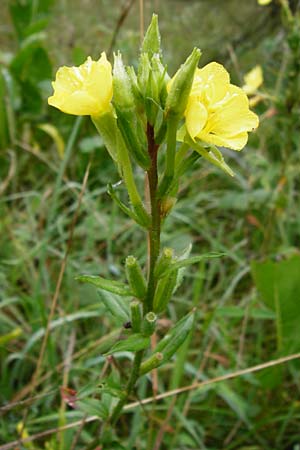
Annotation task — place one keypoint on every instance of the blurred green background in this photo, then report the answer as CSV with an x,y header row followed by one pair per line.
x,y
248,301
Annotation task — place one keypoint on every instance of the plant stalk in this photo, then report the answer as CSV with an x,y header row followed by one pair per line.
x,y
154,230
153,253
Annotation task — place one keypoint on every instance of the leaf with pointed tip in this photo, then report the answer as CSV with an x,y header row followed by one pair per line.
x,y
133,343
116,287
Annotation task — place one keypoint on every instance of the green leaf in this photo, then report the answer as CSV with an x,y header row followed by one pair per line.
x,y
168,346
21,64
116,287
92,407
278,283
193,260
20,12
3,113
133,343
115,305
53,132
238,404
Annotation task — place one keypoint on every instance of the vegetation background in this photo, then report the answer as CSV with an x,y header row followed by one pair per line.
x,y
56,221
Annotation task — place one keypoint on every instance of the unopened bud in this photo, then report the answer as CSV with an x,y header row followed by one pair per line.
x,y
149,323
164,261
136,316
123,96
135,277
181,85
151,42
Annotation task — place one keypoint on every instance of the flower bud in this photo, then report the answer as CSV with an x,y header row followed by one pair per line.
x,y
168,346
181,85
136,316
123,96
164,291
135,277
149,322
161,78
151,42
166,205
164,262
128,120
151,363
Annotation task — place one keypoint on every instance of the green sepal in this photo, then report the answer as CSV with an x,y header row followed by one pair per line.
x,y
133,343
181,85
208,151
168,346
151,42
116,287
135,277
115,305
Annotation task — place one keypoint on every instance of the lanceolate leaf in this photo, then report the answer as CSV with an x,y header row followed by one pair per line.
x,y
92,407
116,287
168,346
193,260
133,343
116,305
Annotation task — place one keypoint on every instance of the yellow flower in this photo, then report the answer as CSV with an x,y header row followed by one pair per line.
x,y
253,80
264,2
218,112
85,90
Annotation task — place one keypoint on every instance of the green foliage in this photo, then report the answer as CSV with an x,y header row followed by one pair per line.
x,y
253,217
133,343
278,283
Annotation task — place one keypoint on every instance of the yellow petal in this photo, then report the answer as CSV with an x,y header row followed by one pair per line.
x,y
211,82
253,80
83,90
196,117
263,2
236,142
234,117
218,112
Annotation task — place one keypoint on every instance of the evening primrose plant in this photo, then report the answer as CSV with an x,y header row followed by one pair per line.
x,y
161,126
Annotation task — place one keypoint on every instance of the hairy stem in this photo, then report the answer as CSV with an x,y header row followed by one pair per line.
x,y
153,253
154,230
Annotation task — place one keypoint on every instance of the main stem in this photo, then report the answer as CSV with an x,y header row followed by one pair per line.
x,y
154,230
153,253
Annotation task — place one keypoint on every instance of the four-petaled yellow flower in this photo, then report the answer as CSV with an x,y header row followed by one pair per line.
x,y
217,111
85,90
253,80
